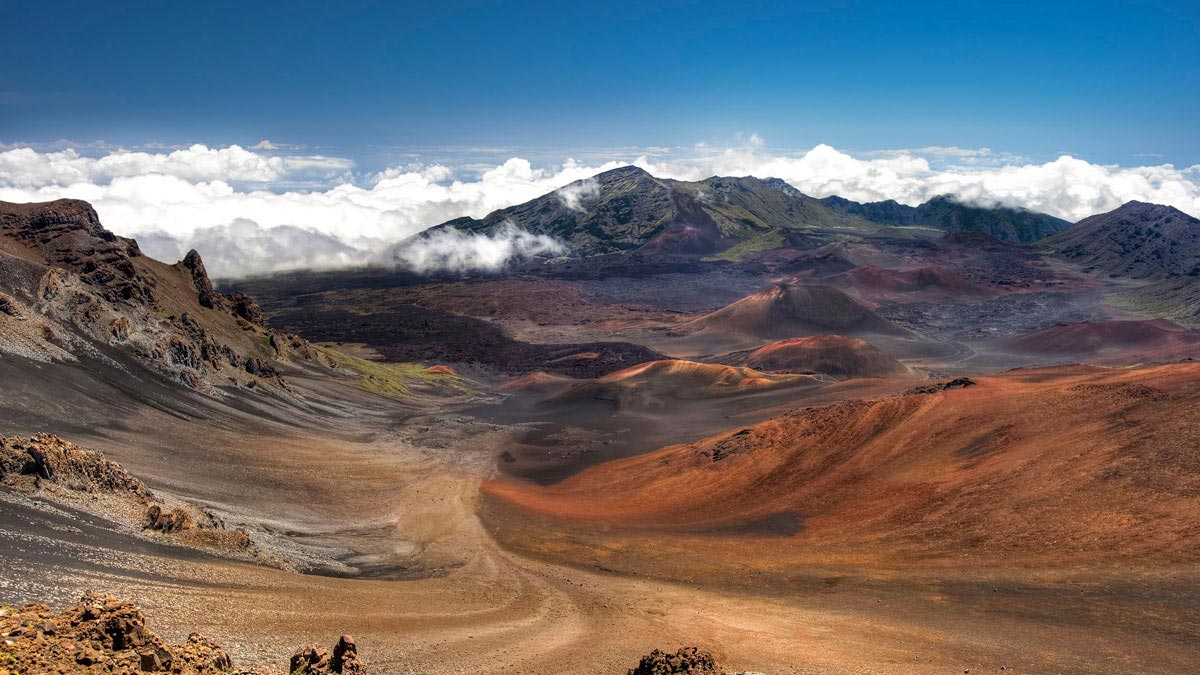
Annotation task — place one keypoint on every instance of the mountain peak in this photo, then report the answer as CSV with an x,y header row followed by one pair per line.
x,y
60,215
1134,206
1138,240
622,172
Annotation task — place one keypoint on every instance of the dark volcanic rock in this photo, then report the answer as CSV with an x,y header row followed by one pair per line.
x,y
956,383
406,333
207,295
245,307
686,661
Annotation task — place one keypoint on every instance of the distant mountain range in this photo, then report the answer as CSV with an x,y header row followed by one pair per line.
x,y
948,214
628,209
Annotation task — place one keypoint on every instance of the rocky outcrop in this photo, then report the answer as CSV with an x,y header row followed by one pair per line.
x,y
68,234
50,458
206,294
74,288
246,307
102,634
686,661
168,520
55,469
314,660
956,383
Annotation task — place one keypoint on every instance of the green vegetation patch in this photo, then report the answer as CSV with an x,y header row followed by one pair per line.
x,y
392,379
763,242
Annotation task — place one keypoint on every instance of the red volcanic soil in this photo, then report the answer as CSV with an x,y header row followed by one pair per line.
x,y
790,310
1069,464
541,385
925,283
1113,341
836,355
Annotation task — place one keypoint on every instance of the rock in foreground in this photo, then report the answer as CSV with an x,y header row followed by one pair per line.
x,y
686,661
102,634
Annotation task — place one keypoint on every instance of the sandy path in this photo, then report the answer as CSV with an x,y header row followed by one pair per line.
x,y
502,613
493,611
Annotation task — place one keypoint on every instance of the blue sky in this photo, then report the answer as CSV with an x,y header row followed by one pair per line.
x,y
1108,82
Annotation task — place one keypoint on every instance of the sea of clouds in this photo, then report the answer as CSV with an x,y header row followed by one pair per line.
x,y
256,210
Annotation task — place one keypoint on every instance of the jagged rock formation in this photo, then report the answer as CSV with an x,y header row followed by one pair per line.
x,y
314,660
73,290
52,468
102,634
49,459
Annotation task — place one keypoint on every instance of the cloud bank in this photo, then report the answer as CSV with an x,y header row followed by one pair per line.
x,y
453,250
256,210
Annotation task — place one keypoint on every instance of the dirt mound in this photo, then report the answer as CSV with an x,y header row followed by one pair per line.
x,y
1111,340
816,265
926,283
653,384
791,310
104,634
537,381
686,661
857,253
836,355
1051,465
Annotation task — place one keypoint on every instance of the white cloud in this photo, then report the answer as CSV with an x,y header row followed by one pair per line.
x,y
1066,187
457,251
572,195
27,168
245,247
203,197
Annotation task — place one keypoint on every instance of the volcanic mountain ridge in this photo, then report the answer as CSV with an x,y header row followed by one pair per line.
x,y
947,213
70,289
1137,240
